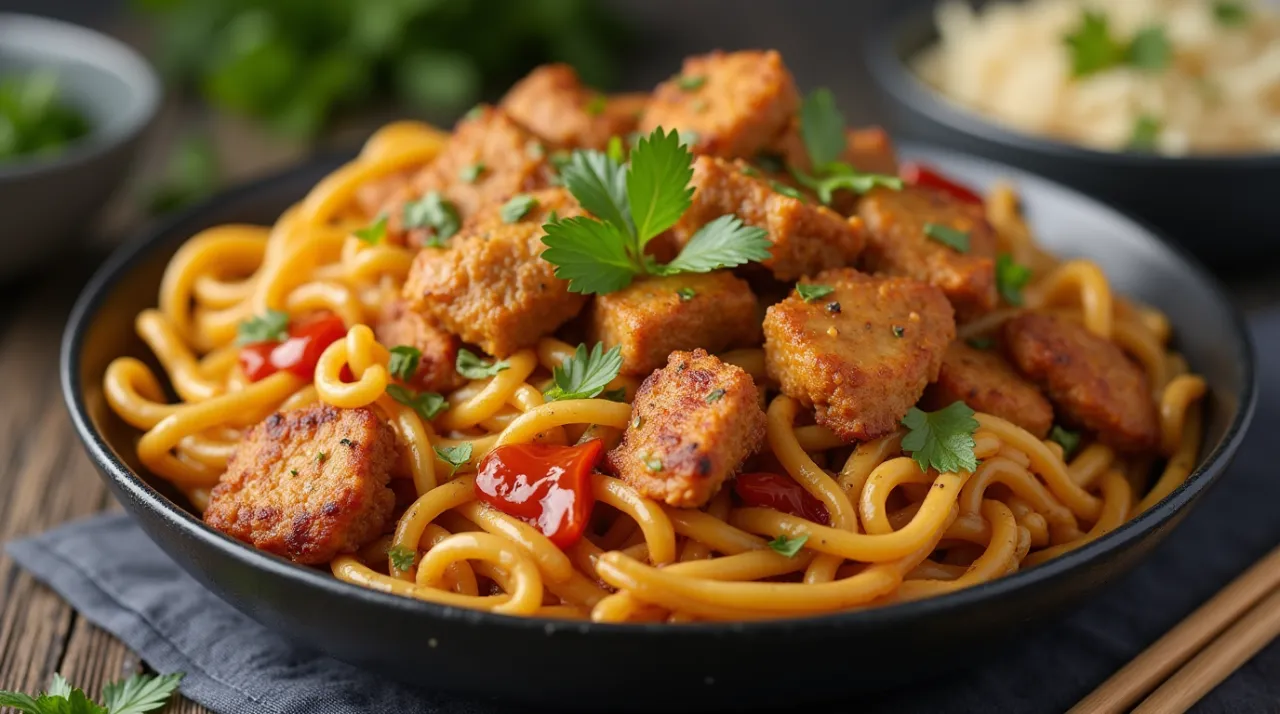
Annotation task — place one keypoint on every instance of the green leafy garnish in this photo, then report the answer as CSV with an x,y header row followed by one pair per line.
x,y
691,82
34,121
1146,129
516,208
401,558
788,546
1011,278
812,291
404,362
136,695
455,456
1068,440
686,294
1230,13
375,232
471,172
1150,49
980,343
436,212
715,395
428,405
320,457
270,326
948,236
615,150
618,394
1093,49
635,203
942,440
191,173
785,190
472,367
585,374
838,175
595,105
898,331
822,127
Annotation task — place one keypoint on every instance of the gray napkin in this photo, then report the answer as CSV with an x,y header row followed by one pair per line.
x,y
112,573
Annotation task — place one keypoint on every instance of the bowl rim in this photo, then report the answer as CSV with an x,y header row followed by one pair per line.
x,y
111,56
889,69
184,524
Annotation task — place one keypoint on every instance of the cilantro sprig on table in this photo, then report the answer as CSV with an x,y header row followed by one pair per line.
x,y
585,374
943,439
634,203
822,130
135,695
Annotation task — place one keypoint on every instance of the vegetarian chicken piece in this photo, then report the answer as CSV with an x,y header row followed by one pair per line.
x,y
983,380
870,150
308,484
398,325
807,237
736,103
693,424
861,353
1091,382
490,286
906,234
488,159
553,103
654,317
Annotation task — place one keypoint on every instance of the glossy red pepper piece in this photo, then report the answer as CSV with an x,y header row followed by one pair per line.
x,y
781,493
545,485
920,175
298,353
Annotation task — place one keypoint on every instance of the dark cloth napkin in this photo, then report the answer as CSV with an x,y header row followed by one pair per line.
x,y
112,573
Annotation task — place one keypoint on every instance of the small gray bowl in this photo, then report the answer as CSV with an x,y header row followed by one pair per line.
x,y
45,200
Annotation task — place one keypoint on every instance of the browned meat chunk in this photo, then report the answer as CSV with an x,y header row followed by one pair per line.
x,y
398,325
861,354
807,237
654,317
308,484
736,103
552,103
490,286
693,423
899,224
984,381
1091,382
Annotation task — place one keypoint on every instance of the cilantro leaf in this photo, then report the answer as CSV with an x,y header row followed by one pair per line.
x,y
788,546
271,326
584,375
59,687
658,190
471,172
1150,49
435,212
600,185
1146,129
1011,277
714,396
1068,440
1092,47
812,291
618,394
785,190
472,367
401,558
723,243
375,232
404,362
1230,13
518,207
455,456
22,702
686,294
140,693
838,175
591,255
690,82
948,236
822,127
428,405
942,440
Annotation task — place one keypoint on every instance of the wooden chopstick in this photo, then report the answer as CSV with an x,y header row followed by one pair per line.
x,y
1180,644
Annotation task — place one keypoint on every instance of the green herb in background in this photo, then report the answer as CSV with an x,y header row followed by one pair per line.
x,y
136,695
192,174
293,63
1146,129
33,121
1092,48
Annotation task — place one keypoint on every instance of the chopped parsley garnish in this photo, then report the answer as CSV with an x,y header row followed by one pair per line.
x,y
715,396
472,367
615,395
686,294
1146,129
1150,49
1068,440
270,326
585,374
653,463
899,331
401,558
471,172
404,362
942,440
839,175
375,232
788,546
691,82
1011,278
293,472
347,442
812,291
822,130
136,695
634,204
948,236
320,457
980,343
1093,49
428,405
436,212
1230,13
455,456
785,190
595,105
518,207
749,171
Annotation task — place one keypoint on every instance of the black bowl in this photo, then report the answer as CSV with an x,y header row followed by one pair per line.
x,y
1220,207
664,667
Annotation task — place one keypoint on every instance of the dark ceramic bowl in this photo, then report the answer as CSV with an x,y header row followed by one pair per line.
x,y
44,200
572,665
1220,207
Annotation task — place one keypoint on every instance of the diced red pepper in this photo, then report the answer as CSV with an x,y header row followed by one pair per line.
x,y
298,353
920,175
545,485
781,493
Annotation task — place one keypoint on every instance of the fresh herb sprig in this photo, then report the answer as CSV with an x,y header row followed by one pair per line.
x,y
1092,47
943,439
585,374
822,129
135,695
